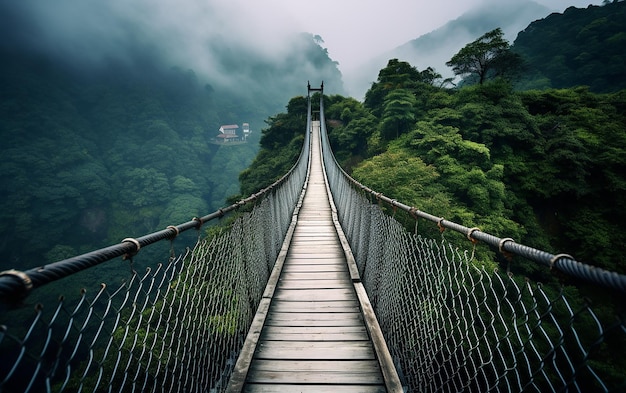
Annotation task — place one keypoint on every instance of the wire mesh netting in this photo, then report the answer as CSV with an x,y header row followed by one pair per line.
x,y
177,327
453,324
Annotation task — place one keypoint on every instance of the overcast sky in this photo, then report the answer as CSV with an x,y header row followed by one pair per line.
x,y
356,30
183,31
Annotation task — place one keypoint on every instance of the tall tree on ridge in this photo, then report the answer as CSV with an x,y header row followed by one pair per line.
x,y
488,56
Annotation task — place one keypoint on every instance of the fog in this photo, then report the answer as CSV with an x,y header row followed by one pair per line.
x,y
435,47
198,34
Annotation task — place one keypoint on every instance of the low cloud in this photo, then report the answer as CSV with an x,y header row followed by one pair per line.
x,y
206,36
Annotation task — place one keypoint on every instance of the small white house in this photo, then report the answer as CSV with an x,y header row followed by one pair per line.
x,y
228,133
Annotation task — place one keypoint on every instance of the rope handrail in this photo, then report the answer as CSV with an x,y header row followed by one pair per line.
x,y
15,285
562,262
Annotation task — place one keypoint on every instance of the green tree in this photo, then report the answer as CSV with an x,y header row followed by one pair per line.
x,y
396,75
398,113
349,125
486,57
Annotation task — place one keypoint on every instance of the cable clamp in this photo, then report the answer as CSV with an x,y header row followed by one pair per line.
x,y
440,225
199,222
501,244
469,234
394,207
175,229
137,247
27,283
557,257
413,212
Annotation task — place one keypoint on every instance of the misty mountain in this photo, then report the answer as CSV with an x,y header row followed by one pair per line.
x,y
577,47
108,111
434,49
221,50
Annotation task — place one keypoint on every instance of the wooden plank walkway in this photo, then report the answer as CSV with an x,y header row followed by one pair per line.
x,y
313,337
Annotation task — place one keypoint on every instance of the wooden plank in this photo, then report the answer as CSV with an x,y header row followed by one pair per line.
x,y
313,322
311,241
308,377
287,333
336,255
296,350
313,284
310,294
316,238
320,229
355,315
307,267
389,372
316,226
316,232
286,388
314,319
315,306
313,249
312,337
332,275
319,261
295,307
314,329
357,366
323,232
319,277
315,221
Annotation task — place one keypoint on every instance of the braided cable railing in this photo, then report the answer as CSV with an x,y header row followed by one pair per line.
x,y
176,327
453,325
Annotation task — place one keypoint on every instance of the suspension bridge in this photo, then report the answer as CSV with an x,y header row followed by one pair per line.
x,y
309,287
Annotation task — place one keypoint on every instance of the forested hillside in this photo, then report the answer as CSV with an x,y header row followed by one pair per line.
x,y
546,168
93,152
579,47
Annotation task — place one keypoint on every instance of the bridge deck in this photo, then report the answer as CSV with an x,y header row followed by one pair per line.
x,y
314,338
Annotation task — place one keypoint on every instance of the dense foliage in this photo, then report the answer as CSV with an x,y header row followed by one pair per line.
x,y
281,144
578,47
546,168
543,167
94,153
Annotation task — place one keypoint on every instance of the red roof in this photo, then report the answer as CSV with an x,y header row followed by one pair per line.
x,y
227,136
230,126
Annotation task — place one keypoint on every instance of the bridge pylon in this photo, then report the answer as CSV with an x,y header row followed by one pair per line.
x,y
310,89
